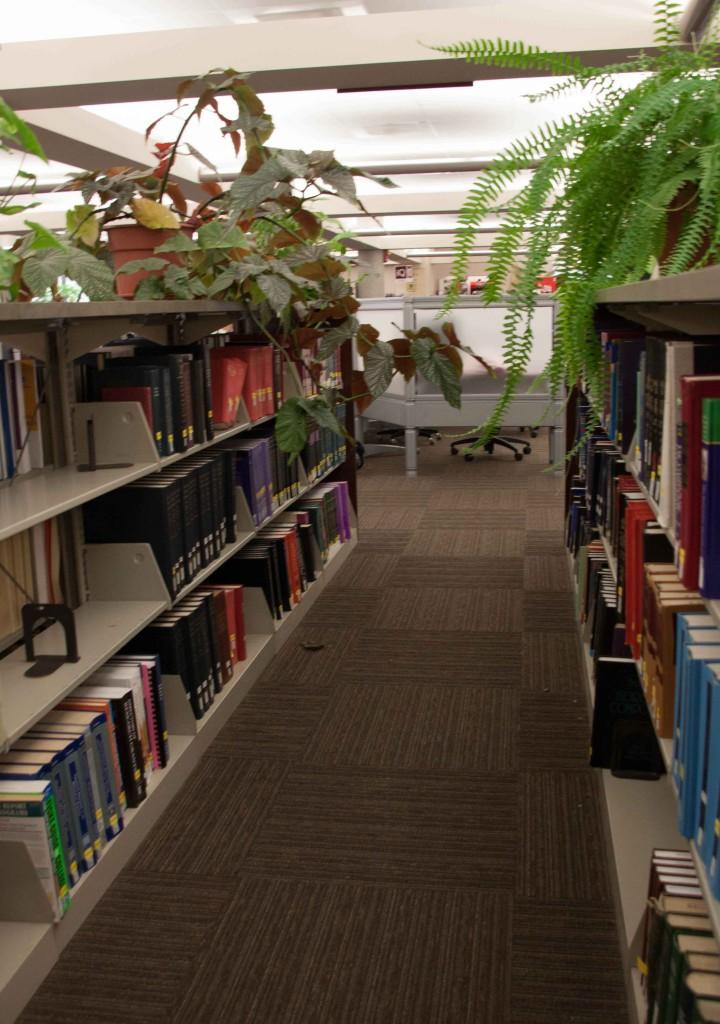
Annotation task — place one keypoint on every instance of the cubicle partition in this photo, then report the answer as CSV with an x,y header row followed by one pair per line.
x,y
419,404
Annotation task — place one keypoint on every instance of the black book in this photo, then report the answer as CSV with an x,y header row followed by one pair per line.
x,y
656,545
118,373
276,540
252,570
146,511
128,745
165,636
605,622
179,396
203,468
201,388
623,738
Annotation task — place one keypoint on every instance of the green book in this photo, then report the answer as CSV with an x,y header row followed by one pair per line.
x,y
700,991
28,815
703,950
675,924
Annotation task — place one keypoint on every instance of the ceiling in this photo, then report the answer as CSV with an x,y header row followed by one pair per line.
x,y
381,128
48,19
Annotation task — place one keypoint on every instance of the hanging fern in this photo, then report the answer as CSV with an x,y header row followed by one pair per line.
x,y
602,184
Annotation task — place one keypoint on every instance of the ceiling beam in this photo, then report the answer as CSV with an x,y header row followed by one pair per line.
x,y
377,50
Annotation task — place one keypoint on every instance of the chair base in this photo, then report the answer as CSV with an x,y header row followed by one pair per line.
x,y
519,448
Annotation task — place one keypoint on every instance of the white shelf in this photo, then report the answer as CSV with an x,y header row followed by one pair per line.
x,y
28,951
102,628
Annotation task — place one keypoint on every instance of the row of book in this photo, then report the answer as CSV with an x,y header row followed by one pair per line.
x,y
24,432
680,960
202,640
188,391
662,409
32,564
187,512
66,785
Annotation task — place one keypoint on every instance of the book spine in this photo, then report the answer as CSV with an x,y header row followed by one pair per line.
x,y
56,852
709,564
106,777
150,716
129,750
158,696
63,808
73,787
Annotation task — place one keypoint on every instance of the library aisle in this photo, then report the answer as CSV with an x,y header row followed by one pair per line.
x,y
398,824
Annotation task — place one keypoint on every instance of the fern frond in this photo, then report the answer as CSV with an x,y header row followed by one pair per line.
x,y
508,53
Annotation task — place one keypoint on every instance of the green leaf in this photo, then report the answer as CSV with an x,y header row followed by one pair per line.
x,y
150,288
276,289
217,235
437,369
178,243
340,179
148,263
294,161
177,282
323,414
8,262
42,269
42,238
10,211
336,336
379,365
291,427
82,223
94,277
221,283
14,126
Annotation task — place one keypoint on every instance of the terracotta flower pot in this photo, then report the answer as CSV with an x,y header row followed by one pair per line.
x,y
134,242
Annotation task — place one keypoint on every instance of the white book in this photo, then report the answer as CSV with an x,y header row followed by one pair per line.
x,y
33,831
679,362
130,677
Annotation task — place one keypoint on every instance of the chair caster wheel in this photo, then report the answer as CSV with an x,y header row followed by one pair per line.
x,y
527,450
431,440
518,456
453,451
468,456
533,433
490,448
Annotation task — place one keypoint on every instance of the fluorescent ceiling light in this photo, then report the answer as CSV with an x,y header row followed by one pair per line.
x,y
353,10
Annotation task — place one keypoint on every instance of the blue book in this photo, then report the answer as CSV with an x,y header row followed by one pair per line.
x,y
5,421
691,628
710,776
696,722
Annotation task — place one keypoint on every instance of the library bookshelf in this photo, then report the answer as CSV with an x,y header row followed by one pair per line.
x,y
121,591
642,815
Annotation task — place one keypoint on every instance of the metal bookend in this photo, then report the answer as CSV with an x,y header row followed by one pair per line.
x,y
92,464
46,664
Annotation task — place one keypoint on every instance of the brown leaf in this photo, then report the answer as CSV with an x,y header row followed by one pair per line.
x,y
316,270
342,308
177,196
306,337
308,223
213,188
282,238
452,355
236,139
361,397
183,89
254,161
402,362
366,337
448,330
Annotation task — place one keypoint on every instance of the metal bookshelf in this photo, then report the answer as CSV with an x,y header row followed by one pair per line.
x,y
121,588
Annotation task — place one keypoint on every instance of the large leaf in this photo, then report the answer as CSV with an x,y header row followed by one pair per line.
x,y
148,263
367,335
13,126
319,410
379,368
294,161
437,369
14,208
82,224
178,243
42,269
177,282
361,395
8,262
341,182
41,238
221,283
249,190
276,289
217,235
154,215
150,288
291,427
94,277
336,336
316,270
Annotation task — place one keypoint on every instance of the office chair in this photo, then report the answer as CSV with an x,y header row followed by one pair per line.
x,y
512,443
396,434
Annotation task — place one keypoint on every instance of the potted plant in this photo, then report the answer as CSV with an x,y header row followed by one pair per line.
x,y
257,242
628,186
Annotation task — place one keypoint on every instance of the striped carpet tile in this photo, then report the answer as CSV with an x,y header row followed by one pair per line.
x,y
546,542
467,522
547,572
300,952
135,956
210,825
553,730
467,543
384,518
546,611
483,573
413,828
424,726
565,965
551,663
448,609
413,656
562,856
476,499
271,724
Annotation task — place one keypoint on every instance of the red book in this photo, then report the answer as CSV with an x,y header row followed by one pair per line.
x,y
228,382
137,394
637,515
237,589
231,617
693,390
